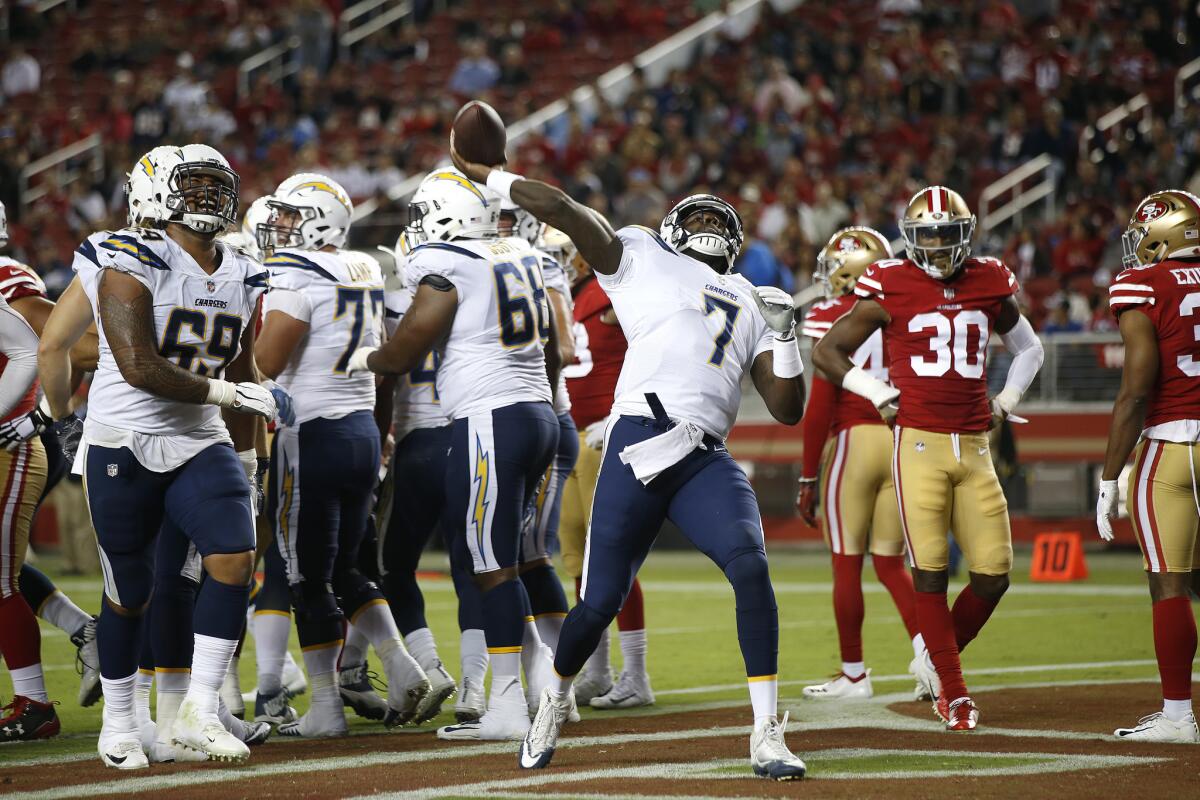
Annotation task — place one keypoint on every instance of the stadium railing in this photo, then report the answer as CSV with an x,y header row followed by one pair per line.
x,y
63,164
1016,187
368,16
276,59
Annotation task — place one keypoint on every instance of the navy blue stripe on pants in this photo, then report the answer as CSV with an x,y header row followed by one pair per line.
x,y
708,496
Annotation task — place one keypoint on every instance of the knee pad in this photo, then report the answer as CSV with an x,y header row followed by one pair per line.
x,y
751,580
354,590
314,602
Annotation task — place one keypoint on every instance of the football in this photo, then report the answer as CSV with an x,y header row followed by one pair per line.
x,y
478,134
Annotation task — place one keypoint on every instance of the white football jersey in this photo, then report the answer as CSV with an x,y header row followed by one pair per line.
x,y
340,296
494,355
692,333
415,403
556,279
198,322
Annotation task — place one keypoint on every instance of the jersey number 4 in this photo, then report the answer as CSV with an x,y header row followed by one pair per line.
x,y
222,345
949,343
521,302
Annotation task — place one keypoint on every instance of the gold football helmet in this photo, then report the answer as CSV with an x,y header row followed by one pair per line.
x,y
847,255
937,227
559,246
1165,225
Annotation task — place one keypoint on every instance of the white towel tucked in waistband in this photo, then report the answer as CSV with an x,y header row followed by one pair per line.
x,y
652,457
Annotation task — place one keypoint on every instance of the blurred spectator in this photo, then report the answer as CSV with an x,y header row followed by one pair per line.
x,y
642,203
780,90
513,73
1077,253
185,95
475,71
312,23
824,215
21,74
1060,321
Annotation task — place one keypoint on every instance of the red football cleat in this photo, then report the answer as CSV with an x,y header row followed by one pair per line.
x,y
961,715
28,719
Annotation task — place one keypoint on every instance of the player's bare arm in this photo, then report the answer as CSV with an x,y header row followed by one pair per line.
x,y
784,396
832,354
563,327
587,228
554,354
126,310
426,323
67,331
280,336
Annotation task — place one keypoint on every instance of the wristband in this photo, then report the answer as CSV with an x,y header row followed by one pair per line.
x,y
804,480
787,363
870,387
221,393
501,182
249,459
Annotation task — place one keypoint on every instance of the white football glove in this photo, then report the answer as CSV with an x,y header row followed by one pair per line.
x,y
776,307
358,361
245,398
23,428
1106,509
593,435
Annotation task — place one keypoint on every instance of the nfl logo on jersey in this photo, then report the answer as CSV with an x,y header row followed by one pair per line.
x,y
112,470
211,286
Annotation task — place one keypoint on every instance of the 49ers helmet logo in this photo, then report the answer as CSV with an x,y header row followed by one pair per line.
x,y
1152,210
848,244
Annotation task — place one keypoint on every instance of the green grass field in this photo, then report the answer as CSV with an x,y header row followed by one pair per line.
x,y
1096,630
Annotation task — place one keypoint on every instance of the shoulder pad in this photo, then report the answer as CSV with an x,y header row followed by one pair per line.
x,y
143,246
283,260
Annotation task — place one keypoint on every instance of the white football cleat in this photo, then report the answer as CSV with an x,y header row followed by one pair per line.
x,y
442,688
122,751
87,663
507,717
630,691
407,687
842,687
231,691
769,754
542,739
589,685
204,732
929,685
472,702
1157,728
317,725
161,752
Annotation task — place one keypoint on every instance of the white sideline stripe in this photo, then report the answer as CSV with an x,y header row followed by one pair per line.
x,y
819,717
1082,665
723,769
1024,613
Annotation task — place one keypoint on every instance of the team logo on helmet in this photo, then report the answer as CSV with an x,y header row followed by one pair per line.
x,y
1152,210
848,244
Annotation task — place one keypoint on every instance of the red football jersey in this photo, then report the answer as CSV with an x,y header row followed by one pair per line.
x,y
937,338
599,354
17,281
1169,294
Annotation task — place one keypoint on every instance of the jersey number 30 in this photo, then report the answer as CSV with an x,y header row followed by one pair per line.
x,y
949,343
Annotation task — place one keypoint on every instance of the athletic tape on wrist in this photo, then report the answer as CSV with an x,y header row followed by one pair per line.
x,y
787,363
501,182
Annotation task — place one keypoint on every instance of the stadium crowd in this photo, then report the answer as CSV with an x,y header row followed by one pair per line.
x,y
816,117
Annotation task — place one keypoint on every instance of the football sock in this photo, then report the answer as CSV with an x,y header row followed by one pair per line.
x,y
764,696
757,613
597,663
118,703
172,688
632,616
354,650
423,648
118,639
937,627
20,637
375,622
37,588
141,696
60,612
271,629
473,655
854,669
971,612
210,661
1175,647
918,641
29,682
549,626
633,652
320,662
848,605
895,577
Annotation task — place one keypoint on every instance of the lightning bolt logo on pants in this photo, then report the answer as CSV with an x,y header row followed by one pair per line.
x,y
482,476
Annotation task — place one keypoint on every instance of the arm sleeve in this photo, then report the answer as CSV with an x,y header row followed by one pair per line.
x,y
815,427
1028,355
19,343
